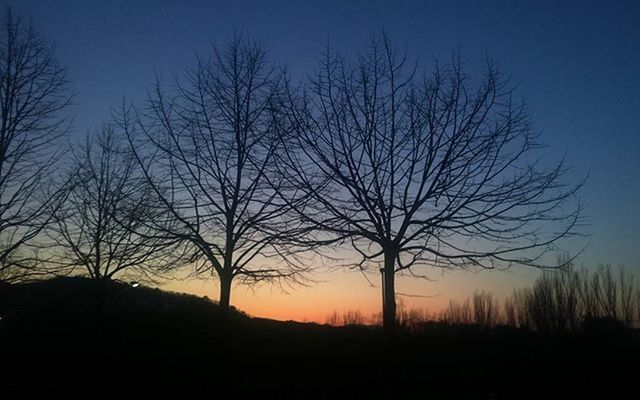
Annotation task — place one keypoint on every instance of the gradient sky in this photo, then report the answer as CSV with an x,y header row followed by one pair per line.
x,y
577,64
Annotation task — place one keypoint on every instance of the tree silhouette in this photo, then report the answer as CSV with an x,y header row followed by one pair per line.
x,y
33,94
208,150
106,226
415,171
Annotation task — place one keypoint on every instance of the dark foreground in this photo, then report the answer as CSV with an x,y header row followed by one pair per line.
x,y
59,336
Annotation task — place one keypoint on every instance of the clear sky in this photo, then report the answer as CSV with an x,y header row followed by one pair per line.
x,y
577,64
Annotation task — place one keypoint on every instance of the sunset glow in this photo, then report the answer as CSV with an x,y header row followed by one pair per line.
x,y
329,199
350,291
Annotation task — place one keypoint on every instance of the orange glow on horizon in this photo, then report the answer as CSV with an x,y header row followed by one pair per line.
x,y
350,291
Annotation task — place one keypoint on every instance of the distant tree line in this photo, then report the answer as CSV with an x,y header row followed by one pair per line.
x,y
232,169
558,301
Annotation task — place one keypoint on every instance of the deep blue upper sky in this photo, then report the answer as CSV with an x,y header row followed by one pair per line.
x,y
576,63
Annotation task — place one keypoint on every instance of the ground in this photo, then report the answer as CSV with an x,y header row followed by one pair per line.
x,y
71,334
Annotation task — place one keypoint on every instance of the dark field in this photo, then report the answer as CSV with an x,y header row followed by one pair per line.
x,y
58,336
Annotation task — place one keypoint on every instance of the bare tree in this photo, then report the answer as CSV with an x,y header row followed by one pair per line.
x,y
208,150
627,285
106,226
334,319
33,94
485,309
607,291
565,300
553,303
637,291
412,171
519,297
511,316
353,317
458,313
589,289
413,319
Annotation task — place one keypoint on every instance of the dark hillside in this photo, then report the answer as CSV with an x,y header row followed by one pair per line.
x,y
70,333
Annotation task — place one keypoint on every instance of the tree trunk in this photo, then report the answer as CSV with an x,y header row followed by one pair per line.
x,y
225,291
389,295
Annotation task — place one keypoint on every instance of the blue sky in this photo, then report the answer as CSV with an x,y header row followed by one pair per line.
x,y
577,64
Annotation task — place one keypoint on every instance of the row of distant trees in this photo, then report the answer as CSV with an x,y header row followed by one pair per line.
x,y
559,301
233,169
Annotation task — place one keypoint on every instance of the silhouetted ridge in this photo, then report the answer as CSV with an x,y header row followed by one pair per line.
x,y
77,294
78,317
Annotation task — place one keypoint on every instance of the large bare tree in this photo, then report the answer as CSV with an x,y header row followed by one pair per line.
x,y
106,227
417,170
33,95
208,149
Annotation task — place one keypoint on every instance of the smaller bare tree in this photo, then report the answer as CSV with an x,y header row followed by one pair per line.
x,y
510,312
627,284
33,94
638,304
485,309
105,225
458,313
608,292
520,302
209,150
589,289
